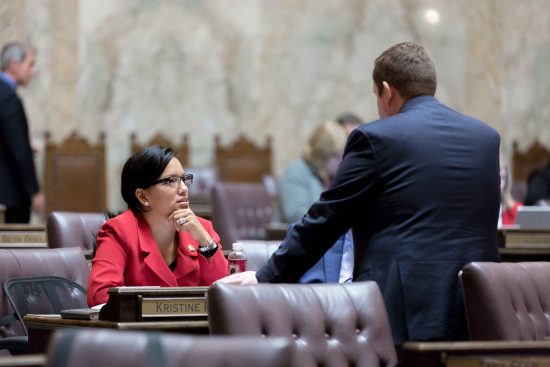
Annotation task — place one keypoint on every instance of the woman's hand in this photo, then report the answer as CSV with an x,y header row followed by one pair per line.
x,y
246,277
186,220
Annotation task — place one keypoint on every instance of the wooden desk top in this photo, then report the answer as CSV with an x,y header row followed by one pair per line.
x,y
21,227
27,360
532,353
49,322
468,346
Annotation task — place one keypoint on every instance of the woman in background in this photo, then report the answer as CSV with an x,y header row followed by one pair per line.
x,y
158,241
306,178
301,185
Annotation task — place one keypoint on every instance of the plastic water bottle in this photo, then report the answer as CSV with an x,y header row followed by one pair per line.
x,y
237,259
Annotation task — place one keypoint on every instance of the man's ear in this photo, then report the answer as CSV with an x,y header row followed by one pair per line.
x,y
387,91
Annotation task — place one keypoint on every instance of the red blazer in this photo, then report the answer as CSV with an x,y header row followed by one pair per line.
x,y
127,255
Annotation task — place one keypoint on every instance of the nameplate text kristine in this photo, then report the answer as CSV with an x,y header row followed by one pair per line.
x,y
173,307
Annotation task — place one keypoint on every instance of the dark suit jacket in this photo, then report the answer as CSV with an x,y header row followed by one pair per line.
x,y
18,181
420,191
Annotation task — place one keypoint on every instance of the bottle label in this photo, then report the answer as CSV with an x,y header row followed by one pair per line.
x,y
237,266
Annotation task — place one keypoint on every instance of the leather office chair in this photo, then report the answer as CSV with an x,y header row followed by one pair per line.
x,y
181,150
98,347
240,211
507,301
331,324
68,263
70,229
74,175
242,161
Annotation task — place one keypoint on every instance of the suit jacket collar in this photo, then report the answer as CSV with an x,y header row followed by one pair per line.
x,y
416,101
154,260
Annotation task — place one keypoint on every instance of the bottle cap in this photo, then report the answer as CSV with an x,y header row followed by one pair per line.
x,y
237,246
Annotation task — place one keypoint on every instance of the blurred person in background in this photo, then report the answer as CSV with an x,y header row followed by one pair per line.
x,y
19,189
302,183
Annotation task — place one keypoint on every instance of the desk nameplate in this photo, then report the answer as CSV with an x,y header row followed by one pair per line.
x,y
173,307
17,237
129,304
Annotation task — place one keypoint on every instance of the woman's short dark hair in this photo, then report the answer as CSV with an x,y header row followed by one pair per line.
x,y
141,170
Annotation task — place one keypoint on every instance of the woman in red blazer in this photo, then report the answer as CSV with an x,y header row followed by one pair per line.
x,y
158,241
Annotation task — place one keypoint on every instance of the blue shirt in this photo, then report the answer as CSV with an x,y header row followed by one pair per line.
x,y
8,80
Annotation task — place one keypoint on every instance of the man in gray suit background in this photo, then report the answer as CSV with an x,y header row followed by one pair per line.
x,y
19,190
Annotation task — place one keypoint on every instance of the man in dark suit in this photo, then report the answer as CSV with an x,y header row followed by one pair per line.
x,y
19,188
420,189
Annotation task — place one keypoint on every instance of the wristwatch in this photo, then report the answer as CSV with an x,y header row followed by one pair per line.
x,y
208,250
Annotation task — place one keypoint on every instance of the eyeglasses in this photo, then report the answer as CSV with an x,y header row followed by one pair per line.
x,y
174,181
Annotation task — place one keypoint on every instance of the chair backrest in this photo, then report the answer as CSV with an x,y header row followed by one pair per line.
x,y
68,263
181,150
507,301
242,161
240,211
525,163
43,295
74,177
70,229
331,324
97,347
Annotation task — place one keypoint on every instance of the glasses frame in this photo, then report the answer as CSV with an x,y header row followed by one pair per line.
x,y
187,180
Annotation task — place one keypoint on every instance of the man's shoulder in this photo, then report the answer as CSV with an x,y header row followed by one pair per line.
x,y
7,94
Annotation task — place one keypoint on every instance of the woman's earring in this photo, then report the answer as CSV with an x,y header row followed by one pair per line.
x,y
146,203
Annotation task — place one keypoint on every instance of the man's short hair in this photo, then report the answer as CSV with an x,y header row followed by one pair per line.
x,y
408,68
14,51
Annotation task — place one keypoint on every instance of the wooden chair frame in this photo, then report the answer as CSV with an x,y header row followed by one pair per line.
x,y
242,161
74,176
182,150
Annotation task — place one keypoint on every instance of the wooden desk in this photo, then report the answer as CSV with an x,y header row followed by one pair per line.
x,y
476,354
29,360
517,244
514,237
41,327
14,236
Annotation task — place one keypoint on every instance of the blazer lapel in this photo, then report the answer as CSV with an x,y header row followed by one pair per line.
x,y
187,254
152,257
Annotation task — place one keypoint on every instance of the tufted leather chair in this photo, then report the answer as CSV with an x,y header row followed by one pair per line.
x,y
70,229
331,324
98,347
68,263
507,301
240,211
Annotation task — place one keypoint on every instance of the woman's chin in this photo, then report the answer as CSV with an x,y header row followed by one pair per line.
x,y
182,205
